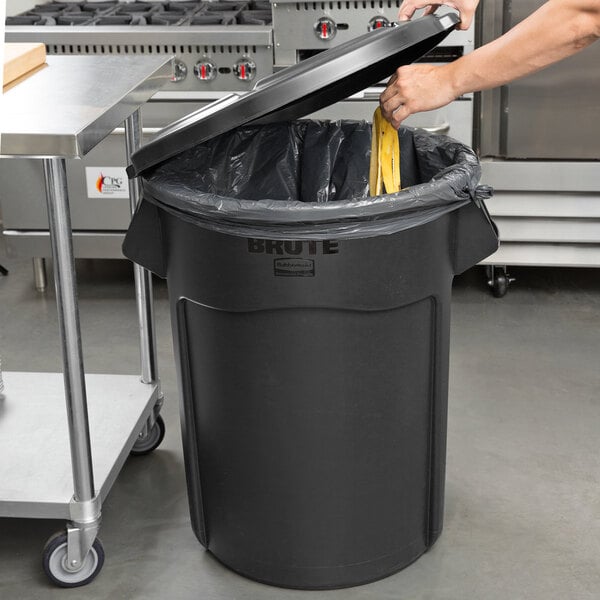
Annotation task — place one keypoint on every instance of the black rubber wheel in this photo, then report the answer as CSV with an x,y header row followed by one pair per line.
x,y
54,559
150,441
500,285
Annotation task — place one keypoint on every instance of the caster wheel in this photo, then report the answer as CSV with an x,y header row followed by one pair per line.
x,y
498,280
54,561
500,285
150,441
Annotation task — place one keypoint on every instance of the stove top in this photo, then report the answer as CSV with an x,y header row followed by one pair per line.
x,y
183,13
217,45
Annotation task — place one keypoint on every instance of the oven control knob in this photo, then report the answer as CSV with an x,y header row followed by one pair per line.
x,y
245,69
179,72
325,28
205,70
378,23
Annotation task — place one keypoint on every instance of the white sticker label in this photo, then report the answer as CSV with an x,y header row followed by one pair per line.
x,y
106,181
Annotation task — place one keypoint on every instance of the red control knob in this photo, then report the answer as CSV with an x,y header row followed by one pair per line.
x,y
325,28
378,23
205,70
245,69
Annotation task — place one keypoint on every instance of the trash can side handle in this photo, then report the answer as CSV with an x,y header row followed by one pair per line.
x,y
475,234
144,242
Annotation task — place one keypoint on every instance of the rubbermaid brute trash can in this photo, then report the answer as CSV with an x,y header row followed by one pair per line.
x,y
310,321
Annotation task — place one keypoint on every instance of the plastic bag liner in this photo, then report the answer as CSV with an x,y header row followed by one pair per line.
x,y
310,179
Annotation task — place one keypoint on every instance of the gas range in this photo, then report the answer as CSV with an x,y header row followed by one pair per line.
x,y
219,45
223,45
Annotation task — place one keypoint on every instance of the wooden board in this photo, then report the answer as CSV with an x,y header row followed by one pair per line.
x,y
22,58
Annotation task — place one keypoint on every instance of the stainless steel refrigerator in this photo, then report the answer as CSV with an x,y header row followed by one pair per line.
x,y
539,139
552,114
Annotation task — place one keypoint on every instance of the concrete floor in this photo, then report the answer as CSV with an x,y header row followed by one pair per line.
x,y
523,472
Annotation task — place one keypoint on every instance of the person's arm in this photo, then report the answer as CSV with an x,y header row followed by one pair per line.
x,y
555,31
466,8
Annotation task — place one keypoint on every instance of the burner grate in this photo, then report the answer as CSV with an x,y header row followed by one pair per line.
x,y
73,19
120,20
211,19
27,19
255,17
138,13
137,7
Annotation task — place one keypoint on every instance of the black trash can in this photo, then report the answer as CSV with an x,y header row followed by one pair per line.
x,y
311,331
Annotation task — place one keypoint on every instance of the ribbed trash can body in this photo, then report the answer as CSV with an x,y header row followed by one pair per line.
x,y
317,406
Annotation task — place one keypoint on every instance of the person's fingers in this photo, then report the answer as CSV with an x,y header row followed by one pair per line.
x,y
390,102
399,115
389,90
390,108
429,10
466,8
466,18
408,8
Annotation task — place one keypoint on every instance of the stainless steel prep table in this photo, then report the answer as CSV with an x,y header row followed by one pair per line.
x,y
62,112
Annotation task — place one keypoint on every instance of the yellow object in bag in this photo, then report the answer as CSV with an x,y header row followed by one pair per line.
x,y
384,170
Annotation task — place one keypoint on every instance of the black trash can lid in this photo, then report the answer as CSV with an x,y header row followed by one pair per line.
x,y
301,89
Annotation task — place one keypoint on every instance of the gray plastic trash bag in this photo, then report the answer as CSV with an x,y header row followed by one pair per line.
x,y
309,179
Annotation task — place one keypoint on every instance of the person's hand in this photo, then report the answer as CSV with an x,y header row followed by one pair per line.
x,y
415,88
466,9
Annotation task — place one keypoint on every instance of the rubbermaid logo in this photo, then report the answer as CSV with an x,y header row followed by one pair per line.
x,y
294,267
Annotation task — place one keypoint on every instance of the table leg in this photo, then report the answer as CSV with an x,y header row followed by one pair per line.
x,y
68,320
143,278
39,274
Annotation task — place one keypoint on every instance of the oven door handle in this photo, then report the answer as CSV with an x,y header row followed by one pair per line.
x,y
370,95
145,130
442,128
